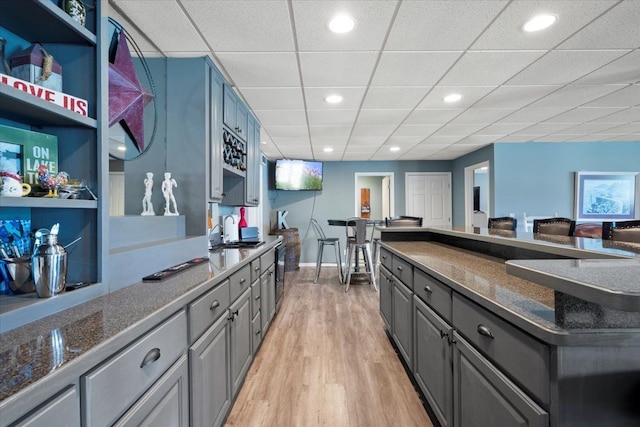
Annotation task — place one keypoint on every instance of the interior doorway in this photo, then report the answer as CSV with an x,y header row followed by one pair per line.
x,y
477,195
380,195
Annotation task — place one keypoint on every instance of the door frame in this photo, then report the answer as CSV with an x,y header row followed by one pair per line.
x,y
356,199
468,191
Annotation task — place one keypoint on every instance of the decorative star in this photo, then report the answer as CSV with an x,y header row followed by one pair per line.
x,y
127,97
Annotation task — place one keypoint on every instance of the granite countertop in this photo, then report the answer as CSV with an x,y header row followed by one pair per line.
x,y
64,345
484,279
612,283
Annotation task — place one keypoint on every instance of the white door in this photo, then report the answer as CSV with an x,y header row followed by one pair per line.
x,y
116,194
428,195
386,193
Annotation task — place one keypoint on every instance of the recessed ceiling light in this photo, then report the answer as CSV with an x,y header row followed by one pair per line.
x,y
333,99
454,97
263,142
327,149
539,22
122,148
394,148
341,24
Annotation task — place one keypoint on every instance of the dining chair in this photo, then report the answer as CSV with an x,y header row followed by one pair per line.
x,y
503,223
323,241
528,219
357,242
557,226
623,231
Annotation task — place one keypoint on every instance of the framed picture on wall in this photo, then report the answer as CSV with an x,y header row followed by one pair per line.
x,y
607,196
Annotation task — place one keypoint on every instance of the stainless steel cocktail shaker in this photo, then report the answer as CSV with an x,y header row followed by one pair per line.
x,y
49,267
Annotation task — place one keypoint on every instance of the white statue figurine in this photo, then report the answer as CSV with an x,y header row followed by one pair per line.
x,y
147,207
167,192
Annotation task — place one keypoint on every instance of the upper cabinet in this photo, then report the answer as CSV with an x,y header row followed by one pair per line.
x,y
235,113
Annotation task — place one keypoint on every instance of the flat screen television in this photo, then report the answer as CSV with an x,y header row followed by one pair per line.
x,y
298,175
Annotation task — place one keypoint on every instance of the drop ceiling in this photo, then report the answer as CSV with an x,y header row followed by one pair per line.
x,y
577,81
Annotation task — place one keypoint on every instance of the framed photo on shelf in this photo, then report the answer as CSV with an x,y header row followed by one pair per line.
x,y
32,150
607,196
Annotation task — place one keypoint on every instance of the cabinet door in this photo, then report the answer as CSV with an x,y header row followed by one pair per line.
x,y
252,181
61,411
210,376
403,320
242,116
215,140
264,302
483,396
386,292
240,339
433,361
230,108
272,293
166,404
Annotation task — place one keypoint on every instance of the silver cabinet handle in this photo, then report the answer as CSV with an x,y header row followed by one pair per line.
x,y
242,280
443,334
232,315
428,289
258,332
257,297
484,331
151,357
214,305
399,268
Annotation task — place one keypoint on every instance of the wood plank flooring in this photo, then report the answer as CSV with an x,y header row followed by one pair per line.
x,y
326,361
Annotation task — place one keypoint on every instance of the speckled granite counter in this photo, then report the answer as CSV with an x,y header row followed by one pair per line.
x,y
57,349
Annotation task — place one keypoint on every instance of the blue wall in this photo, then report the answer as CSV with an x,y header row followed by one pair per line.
x,y
457,177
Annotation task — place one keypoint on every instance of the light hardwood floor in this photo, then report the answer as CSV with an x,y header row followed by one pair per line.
x,y
326,361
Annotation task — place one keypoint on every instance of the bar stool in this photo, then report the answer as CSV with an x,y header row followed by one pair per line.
x,y
357,241
323,241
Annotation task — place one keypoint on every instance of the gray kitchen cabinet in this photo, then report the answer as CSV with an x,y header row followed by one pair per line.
x,y
252,180
62,410
256,337
386,293
433,361
402,314
483,396
215,141
166,404
235,113
209,361
240,337
268,302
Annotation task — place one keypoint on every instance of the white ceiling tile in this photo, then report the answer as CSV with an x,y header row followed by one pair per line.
x,y
574,95
442,139
554,138
618,29
288,131
633,138
243,26
629,96
273,69
364,141
626,115
478,140
479,68
481,116
144,44
336,68
597,137
372,130
506,31
281,118
396,97
440,25
404,140
312,30
564,66
545,128
352,97
502,128
622,70
291,141
176,32
329,131
457,130
276,98
581,115
412,68
533,115
332,117
432,116
336,143
382,117
515,96
625,129
421,131
587,128
519,137
470,95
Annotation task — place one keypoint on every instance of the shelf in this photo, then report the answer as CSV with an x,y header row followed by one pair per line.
x,y
230,171
47,23
46,202
21,106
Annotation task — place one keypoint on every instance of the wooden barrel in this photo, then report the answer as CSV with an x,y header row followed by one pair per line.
x,y
291,239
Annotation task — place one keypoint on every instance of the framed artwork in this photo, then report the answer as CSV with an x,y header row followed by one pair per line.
x,y
607,196
26,150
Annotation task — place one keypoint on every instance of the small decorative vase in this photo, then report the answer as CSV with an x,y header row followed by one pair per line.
x,y
76,10
243,221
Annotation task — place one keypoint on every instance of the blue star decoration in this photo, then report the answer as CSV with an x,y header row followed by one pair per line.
x,y
127,97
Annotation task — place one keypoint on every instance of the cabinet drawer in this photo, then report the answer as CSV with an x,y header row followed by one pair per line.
x,y
255,270
206,309
386,258
403,270
433,292
256,328
255,297
240,282
267,260
115,385
523,358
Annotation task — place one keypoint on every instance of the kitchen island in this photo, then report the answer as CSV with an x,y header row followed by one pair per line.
x,y
120,352
501,331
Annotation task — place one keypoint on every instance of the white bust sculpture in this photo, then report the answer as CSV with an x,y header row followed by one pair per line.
x,y
167,192
147,207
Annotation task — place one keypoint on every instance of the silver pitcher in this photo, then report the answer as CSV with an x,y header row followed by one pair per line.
x,y
49,267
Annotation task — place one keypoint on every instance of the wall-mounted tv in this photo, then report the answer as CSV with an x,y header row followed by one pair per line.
x,y
298,175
